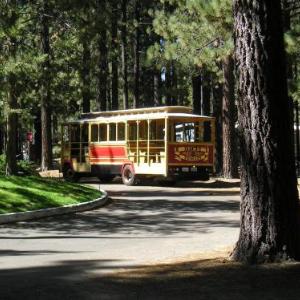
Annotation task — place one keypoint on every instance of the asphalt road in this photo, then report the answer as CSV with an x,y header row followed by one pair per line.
x,y
141,225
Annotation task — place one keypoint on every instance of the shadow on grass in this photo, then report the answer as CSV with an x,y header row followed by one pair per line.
x,y
214,279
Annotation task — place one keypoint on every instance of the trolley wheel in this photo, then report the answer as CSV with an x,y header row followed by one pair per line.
x,y
128,176
106,179
69,174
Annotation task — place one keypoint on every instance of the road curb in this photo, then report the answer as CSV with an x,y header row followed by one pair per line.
x,y
54,211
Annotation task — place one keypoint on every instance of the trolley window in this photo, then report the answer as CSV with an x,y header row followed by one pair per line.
x,y
132,127
102,132
75,133
94,133
121,131
113,132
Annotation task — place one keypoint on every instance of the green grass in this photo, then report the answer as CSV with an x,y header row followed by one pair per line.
x,y
19,194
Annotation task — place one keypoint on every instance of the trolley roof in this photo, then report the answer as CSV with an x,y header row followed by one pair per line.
x,y
139,114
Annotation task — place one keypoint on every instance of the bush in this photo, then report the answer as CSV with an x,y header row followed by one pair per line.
x,y
24,167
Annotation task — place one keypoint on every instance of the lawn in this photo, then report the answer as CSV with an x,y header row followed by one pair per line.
x,y
19,194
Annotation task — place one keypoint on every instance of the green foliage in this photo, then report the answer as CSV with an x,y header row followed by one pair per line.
x,y
195,33
24,167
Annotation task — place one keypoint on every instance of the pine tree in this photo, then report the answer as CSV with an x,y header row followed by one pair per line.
x,y
269,204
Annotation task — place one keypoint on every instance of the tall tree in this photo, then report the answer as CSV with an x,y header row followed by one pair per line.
x,y
12,124
85,76
136,68
230,165
269,196
124,54
115,61
102,77
45,91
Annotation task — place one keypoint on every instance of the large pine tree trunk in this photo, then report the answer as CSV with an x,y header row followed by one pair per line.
x,y
269,196
230,169
115,61
12,121
45,91
124,54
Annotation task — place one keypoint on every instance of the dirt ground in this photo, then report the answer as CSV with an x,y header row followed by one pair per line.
x,y
207,278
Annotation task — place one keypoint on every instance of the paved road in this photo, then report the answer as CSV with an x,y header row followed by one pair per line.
x,y
141,225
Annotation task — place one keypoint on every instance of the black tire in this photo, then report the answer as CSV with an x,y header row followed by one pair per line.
x,y
128,176
106,179
203,175
69,174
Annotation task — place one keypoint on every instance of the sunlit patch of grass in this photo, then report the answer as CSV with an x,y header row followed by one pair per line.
x,y
19,194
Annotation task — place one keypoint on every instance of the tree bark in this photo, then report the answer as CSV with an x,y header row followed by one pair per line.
x,y
124,54
45,91
136,68
12,123
114,63
230,166
269,196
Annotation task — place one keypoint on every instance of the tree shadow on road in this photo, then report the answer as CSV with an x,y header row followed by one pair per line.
x,y
159,217
216,279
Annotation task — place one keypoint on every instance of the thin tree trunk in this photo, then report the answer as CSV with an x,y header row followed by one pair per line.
x,y
230,168
101,97
136,68
12,121
85,76
206,91
168,86
114,63
217,113
37,137
269,196
156,88
124,54
46,162
174,100
1,139
197,85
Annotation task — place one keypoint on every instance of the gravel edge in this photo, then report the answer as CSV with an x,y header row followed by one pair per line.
x,y
54,211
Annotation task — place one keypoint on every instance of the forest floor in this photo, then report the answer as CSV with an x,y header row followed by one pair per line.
x,y
24,193
210,276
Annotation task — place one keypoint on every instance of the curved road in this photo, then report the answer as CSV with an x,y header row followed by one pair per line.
x,y
141,224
